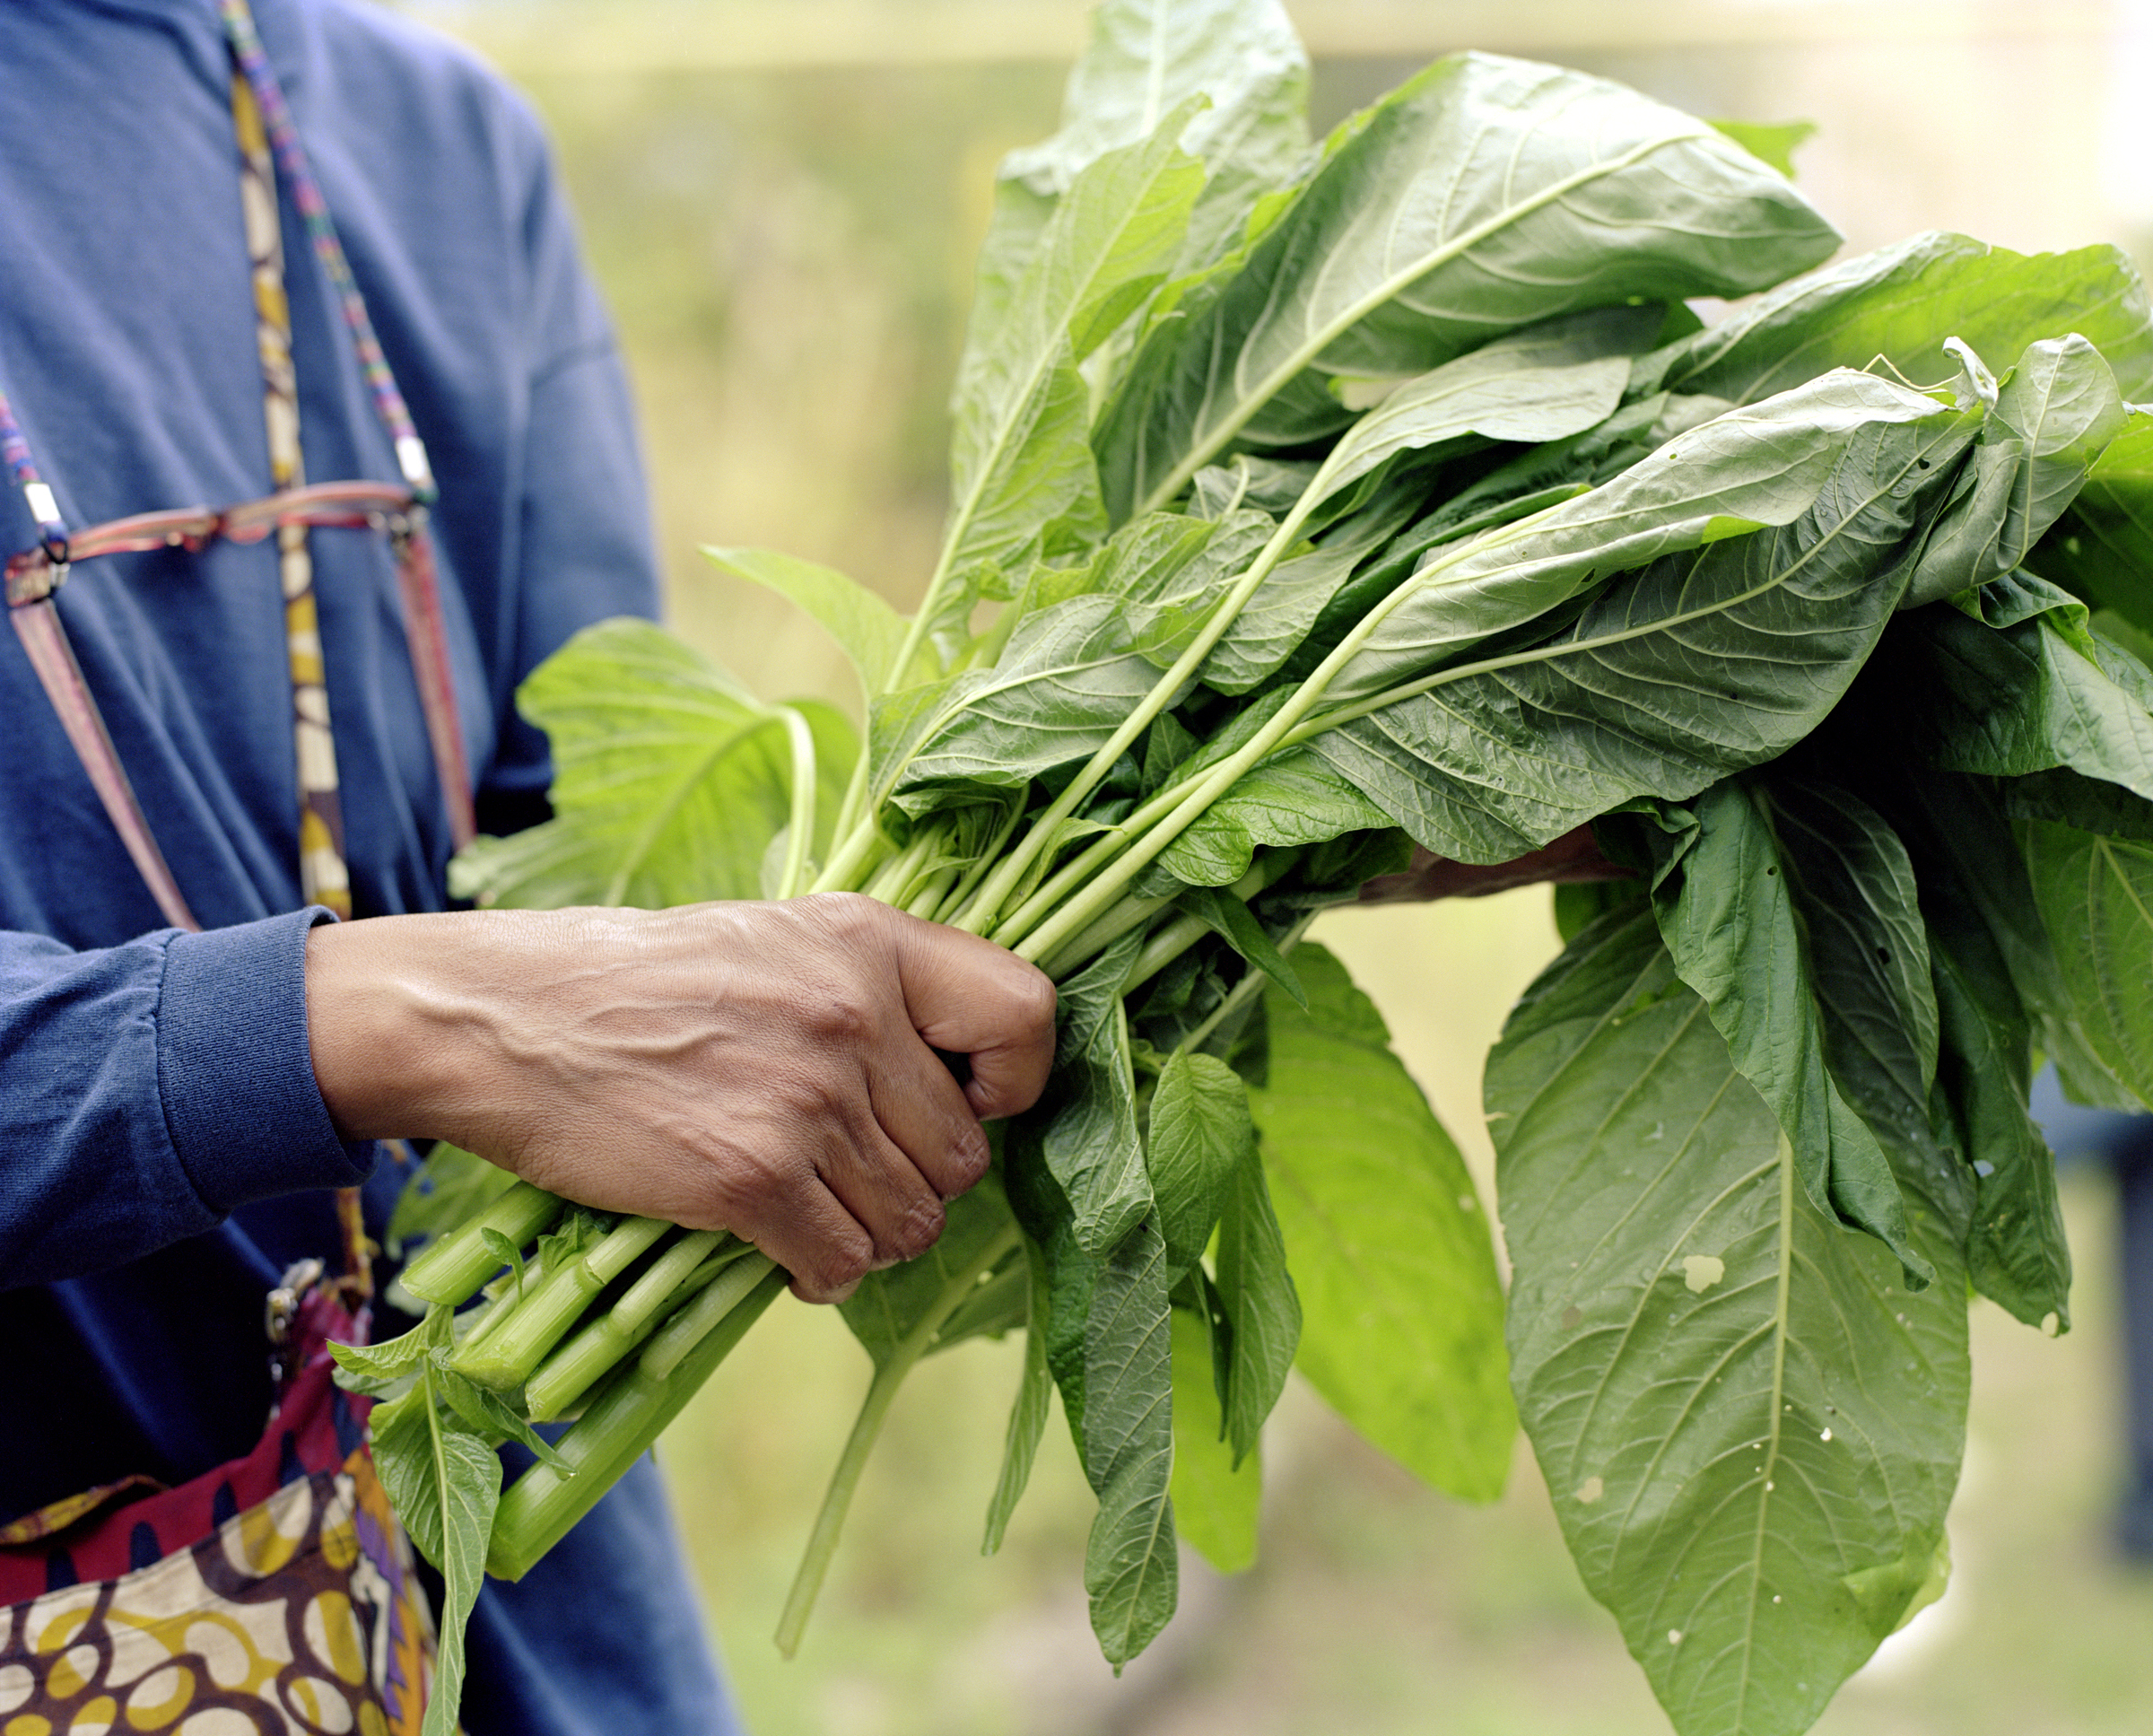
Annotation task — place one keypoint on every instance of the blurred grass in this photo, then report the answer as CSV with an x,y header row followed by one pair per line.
x,y
789,258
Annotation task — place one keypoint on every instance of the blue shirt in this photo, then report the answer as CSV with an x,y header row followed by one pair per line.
x,y
164,1152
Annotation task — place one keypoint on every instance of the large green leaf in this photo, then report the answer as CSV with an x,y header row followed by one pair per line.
x,y
1263,1307
1018,459
670,781
1215,1501
2096,895
1482,195
1146,58
1292,798
1082,1132
1744,936
868,629
1028,1409
1902,303
1750,1431
2103,548
1069,677
1547,382
1130,1567
1853,891
1670,678
1825,449
1402,1310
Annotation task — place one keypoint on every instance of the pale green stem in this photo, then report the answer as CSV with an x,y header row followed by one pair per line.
x,y
861,850
928,899
1042,834
955,903
672,1343
453,1268
801,837
1131,912
821,1545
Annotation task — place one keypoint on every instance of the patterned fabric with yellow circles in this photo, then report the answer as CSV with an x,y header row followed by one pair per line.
x,y
300,1617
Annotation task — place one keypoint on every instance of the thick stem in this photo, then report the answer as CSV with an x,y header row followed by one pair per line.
x,y
674,1342
800,829
578,1365
618,1428
452,1270
821,1545
1131,912
507,1356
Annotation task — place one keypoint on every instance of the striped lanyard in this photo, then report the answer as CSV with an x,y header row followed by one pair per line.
x,y
268,147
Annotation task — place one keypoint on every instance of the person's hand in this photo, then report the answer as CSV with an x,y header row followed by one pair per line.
x,y
768,1068
1571,858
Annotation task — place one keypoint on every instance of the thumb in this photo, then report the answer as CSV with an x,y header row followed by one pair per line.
x,y
970,997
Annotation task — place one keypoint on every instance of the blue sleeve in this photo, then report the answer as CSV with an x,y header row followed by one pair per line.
x,y
584,545
148,1090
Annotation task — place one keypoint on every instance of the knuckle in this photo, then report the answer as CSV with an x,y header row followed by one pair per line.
x,y
1031,1002
968,1156
918,1230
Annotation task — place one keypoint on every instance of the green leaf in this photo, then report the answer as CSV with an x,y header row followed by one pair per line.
x,y
2016,1252
889,1304
868,629
1771,142
1236,924
1902,303
380,1371
1855,898
1738,937
1830,450
1750,1431
486,1413
1084,1129
670,780
2096,895
1482,195
444,1481
1668,680
1129,1567
1028,1412
1545,383
2055,416
2102,548
1216,1500
1261,1305
1019,463
2016,681
1146,58
1401,1311
1068,677
1200,1133
1291,798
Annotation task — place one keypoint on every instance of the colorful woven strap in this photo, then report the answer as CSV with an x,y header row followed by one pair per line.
x,y
321,229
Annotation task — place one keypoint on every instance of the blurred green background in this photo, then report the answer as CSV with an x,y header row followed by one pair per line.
x,y
781,198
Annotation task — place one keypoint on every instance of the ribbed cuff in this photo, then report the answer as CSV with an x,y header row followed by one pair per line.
x,y
236,1072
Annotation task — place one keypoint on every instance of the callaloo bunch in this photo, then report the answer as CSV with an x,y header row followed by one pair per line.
x,y
1310,503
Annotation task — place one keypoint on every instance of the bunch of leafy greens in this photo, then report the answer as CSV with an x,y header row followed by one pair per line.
x,y
1313,503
